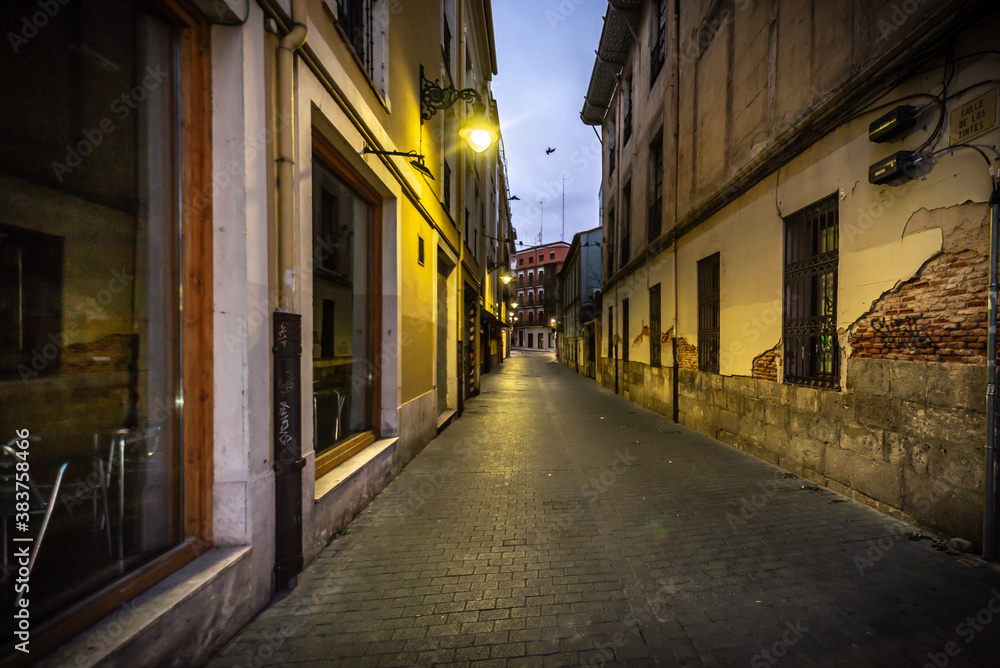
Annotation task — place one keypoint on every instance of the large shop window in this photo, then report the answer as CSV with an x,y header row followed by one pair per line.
x,y
101,234
809,330
344,311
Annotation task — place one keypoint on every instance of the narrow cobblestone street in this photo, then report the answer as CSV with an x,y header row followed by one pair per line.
x,y
556,524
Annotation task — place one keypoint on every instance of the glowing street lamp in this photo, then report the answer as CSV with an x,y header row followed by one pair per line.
x,y
478,131
505,276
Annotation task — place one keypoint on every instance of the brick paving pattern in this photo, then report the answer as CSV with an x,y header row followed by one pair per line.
x,y
556,524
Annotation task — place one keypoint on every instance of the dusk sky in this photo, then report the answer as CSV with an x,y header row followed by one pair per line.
x,y
545,52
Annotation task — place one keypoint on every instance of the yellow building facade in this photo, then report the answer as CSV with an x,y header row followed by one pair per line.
x,y
267,269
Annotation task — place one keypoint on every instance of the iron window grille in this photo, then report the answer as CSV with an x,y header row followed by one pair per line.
x,y
626,224
655,223
612,150
625,339
809,325
609,246
708,313
654,326
355,17
658,43
447,45
627,127
611,332
447,187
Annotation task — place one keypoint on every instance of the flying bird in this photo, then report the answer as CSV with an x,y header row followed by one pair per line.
x,y
549,151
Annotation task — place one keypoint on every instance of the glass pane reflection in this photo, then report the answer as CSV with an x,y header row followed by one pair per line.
x,y
89,292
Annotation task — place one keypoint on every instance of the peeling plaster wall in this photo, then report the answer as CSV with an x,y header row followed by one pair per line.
x,y
904,431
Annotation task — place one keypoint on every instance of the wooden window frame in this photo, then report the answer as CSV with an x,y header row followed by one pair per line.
x,y
198,363
355,443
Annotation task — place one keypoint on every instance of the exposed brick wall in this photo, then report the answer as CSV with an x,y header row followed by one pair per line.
x,y
939,315
687,354
765,365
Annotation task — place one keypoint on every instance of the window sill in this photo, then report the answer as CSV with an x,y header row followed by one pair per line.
x,y
155,606
342,473
343,451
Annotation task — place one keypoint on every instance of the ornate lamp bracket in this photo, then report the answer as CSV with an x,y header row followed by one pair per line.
x,y
434,98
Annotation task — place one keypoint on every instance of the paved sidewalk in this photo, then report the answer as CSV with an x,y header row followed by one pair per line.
x,y
556,524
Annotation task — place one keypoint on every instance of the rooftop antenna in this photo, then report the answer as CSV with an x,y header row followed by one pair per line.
x,y
541,223
562,235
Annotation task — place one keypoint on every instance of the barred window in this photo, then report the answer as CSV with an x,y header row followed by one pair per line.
x,y
626,224
809,327
446,42
627,127
611,331
609,244
447,187
654,326
355,17
708,313
658,42
655,222
625,339
612,149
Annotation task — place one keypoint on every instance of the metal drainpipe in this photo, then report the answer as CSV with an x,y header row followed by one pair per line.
x,y
287,350
989,514
675,404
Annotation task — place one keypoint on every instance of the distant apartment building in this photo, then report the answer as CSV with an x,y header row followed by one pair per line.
x,y
796,236
534,272
579,310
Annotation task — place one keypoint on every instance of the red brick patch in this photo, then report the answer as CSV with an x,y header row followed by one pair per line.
x,y
939,315
765,365
687,354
